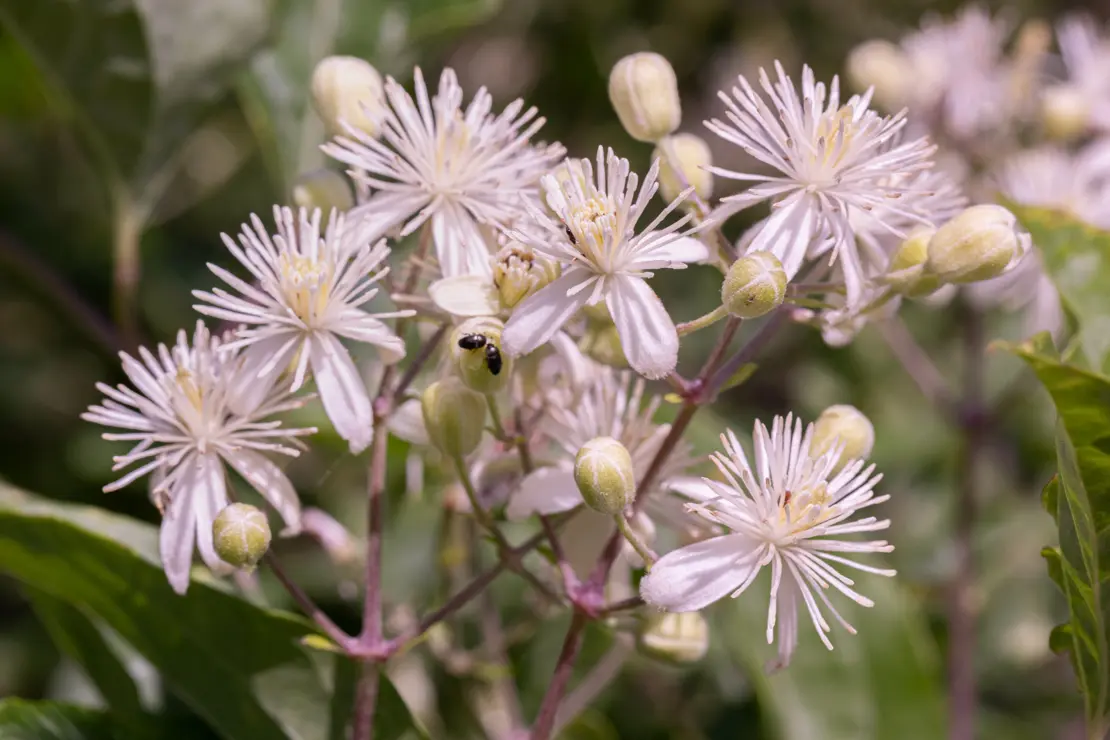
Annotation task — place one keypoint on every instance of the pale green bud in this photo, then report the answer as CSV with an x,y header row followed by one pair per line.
x,y
323,189
603,472
688,155
454,415
883,66
907,274
844,425
978,244
476,352
754,285
348,90
644,92
241,535
518,272
681,637
1065,112
602,343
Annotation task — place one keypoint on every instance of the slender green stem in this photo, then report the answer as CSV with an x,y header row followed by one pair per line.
x,y
495,418
128,228
702,322
549,707
634,539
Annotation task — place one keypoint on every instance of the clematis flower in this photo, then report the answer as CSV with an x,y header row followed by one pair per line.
x,y
788,512
310,292
593,236
180,414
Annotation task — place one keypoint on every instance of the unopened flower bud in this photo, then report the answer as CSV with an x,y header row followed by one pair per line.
x,y
454,415
603,472
754,285
518,272
686,155
477,356
602,343
323,189
1065,112
644,92
980,243
241,535
679,637
883,66
348,90
843,425
907,274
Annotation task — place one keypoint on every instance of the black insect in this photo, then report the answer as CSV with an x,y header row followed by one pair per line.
x,y
570,235
472,341
493,355
493,359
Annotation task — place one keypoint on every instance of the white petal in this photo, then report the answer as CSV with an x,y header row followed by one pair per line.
x,y
648,336
407,423
690,487
685,249
269,480
788,232
693,577
262,363
544,491
341,391
382,212
536,319
465,295
209,499
460,246
178,532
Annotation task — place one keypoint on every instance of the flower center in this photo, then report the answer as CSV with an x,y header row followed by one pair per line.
x,y
591,221
306,284
186,385
453,143
802,510
518,273
834,136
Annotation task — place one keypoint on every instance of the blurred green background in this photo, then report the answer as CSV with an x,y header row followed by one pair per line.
x,y
216,127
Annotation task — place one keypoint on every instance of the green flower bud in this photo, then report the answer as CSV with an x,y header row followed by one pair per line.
x,y
241,535
603,472
680,638
907,273
883,66
1065,112
978,244
644,93
348,90
518,272
689,155
754,285
454,416
476,353
845,425
602,343
323,189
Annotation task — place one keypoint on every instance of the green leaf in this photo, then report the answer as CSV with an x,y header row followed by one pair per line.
x,y
883,683
1079,500
240,667
136,77
276,92
76,634
44,720
1077,257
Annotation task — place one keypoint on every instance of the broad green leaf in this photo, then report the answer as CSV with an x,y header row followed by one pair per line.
x,y
276,92
1079,500
1077,257
136,77
76,634
238,666
883,683
45,720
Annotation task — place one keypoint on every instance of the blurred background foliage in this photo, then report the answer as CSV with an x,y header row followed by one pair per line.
x,y
156,125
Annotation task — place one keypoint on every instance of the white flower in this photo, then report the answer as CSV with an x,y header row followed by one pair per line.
x,y
611,405
1085,51
1051,177
832,160
179,413
785,512
309,292
458,168
593,236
